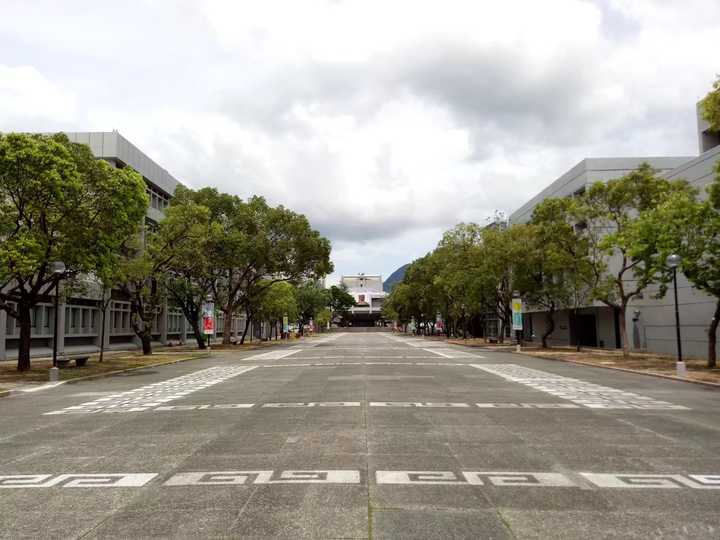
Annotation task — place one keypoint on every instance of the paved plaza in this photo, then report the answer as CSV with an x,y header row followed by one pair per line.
x,y
363,435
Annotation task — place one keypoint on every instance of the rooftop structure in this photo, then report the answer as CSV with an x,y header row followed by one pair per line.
x,y
369,296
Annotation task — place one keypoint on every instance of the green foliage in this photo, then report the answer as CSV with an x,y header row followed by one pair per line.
x,y
311,299
340,300
258,245
691,228
323,317
58,203
165,259
279,300
710,106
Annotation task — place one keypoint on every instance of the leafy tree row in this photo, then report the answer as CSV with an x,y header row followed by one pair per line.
x,y
608,245
59,203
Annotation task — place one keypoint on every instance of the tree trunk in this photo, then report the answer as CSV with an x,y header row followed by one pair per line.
x,y
25,335
102,332
712,336
145,339
227,324
623,331
197,334
550,317
575,328
248,322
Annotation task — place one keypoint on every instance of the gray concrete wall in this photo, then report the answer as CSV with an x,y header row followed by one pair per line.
x,y
592,170
654,329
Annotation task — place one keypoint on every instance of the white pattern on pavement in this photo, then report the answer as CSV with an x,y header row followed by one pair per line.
x,y
586,394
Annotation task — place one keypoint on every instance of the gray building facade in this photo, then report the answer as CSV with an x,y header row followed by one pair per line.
x,y
80,316
650,322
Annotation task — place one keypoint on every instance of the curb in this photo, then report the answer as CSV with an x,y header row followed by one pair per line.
x,y
18,392
589,364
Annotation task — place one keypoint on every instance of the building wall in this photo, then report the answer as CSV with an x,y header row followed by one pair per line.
x,y
80,317
650,322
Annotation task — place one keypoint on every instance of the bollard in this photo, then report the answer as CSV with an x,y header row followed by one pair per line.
x,y
54,374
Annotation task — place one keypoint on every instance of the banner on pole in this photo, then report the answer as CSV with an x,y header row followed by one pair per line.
x,y
517,311
208,318
286,324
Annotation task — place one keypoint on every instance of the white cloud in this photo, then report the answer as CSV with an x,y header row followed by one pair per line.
x,y
385,122
30,101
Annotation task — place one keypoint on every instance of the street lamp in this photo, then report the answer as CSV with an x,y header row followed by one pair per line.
x,y
57,269
673,261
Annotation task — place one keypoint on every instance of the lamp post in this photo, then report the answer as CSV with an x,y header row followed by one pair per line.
x,y
57,269
673,261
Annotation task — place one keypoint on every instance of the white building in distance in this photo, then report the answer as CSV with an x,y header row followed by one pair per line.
x,y
369,296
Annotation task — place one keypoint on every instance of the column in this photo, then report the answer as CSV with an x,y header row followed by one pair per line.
x,y
108,324
3,337
183,330
62,307
163,323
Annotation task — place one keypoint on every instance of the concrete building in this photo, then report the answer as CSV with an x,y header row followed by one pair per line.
x,y
369,296
650,322
79,316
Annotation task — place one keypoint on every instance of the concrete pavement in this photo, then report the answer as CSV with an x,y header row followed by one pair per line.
x,y
363,436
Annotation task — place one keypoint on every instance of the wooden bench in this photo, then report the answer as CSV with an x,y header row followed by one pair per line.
x,y
80,361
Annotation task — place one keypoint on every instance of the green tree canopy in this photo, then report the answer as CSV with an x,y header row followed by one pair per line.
x,y
58,203
311,299
691,228
622,249
710,106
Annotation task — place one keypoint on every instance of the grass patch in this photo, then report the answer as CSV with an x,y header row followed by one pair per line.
x,y
643,362
660,364
38,373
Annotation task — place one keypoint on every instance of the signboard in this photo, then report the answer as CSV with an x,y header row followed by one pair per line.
x,y
208,318
286,324
517,309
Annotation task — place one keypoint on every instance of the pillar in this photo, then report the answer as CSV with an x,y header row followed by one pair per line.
x,y
163,323
61,314
3,337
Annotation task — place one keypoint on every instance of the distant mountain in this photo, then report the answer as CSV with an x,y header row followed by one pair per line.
x,y
395,277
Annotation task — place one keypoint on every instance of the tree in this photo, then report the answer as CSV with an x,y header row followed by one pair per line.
x,y
147,268
559,275
58,203
311,299
456,263
421,293
691,228
340,300
188,279
259,245
504,261
279,300
622,250
710,106
323,317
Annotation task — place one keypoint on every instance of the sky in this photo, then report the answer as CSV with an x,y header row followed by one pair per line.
x,y
385,122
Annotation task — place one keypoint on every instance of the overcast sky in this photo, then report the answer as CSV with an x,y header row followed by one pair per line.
x,y
384,122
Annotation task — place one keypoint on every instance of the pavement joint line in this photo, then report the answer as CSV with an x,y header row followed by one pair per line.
x,y
424,478
185,407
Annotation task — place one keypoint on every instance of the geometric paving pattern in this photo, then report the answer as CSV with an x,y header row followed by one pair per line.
x,y
156,394
586,394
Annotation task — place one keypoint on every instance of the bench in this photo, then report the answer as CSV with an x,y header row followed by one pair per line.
x,y
80,361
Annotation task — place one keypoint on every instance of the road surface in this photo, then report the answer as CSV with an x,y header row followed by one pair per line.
x,y
363,436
